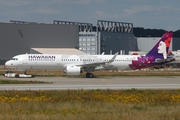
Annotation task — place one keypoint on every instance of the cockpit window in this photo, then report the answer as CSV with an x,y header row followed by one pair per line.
x,y
15,59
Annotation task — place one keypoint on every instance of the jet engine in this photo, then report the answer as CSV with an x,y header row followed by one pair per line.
x,y
72,70
159,60
164,60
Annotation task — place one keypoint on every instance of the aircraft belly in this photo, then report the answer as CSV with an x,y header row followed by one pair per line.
x,y
40,66
46,67
118,66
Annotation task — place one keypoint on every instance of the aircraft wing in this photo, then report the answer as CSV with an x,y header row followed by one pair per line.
x,y
92,66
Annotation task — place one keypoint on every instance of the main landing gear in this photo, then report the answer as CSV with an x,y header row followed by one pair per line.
x,y
89,75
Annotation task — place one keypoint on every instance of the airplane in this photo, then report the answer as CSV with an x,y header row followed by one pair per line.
x,y
76,64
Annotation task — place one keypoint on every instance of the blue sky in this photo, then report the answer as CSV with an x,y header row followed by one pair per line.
x,y
154,14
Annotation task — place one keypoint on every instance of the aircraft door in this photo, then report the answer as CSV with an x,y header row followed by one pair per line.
x,y
59,61
25,60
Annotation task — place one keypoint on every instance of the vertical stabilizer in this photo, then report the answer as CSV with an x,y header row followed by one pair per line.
x,y
160,50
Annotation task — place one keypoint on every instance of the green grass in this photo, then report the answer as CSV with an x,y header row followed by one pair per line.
x,y
52,73
22,82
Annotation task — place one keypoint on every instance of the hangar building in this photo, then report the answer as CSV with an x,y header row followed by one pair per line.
x,y
108,37
18,37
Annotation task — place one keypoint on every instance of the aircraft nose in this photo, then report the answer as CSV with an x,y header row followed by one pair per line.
x,y
8,64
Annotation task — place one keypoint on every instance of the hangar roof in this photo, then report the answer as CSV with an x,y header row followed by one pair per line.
x,y
56,51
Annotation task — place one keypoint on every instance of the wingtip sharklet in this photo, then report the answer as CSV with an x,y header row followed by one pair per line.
x,y
114,57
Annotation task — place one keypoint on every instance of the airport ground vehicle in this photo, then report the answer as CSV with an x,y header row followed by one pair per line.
x,y
16,75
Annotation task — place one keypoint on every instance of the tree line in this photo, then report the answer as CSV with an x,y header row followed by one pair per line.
x,y
141,32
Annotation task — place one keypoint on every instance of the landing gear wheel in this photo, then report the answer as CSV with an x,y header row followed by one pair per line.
x,y
17,75
89,75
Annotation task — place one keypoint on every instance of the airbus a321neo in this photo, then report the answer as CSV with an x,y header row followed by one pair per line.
x,y
75,64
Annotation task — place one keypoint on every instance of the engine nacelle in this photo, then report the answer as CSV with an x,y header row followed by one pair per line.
x,y
164,60
72,70
159,60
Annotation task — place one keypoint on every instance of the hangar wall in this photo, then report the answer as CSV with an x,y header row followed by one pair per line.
x,y
116,42
176,44
20,38
146,43
115,37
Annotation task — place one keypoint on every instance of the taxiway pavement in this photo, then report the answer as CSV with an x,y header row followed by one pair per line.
x,y
62,83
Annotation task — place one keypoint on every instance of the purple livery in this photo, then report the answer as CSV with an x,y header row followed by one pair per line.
x,y
157,55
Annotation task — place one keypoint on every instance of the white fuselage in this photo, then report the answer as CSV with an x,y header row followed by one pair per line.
x,y
60,62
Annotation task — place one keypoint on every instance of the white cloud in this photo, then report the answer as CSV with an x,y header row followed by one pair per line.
x,y
80,2
101,14
46,11
13,3
100,1
136,9
77,1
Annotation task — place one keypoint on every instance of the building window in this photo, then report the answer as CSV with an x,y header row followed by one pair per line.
x,y
92,44
92,48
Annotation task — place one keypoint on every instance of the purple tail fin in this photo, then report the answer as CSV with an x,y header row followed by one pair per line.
x,y
160,50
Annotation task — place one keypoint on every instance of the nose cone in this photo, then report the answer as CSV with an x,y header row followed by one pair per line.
x,y
9,64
